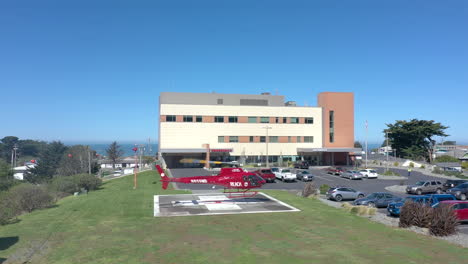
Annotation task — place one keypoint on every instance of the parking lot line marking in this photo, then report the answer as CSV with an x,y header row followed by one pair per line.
x,y
320,177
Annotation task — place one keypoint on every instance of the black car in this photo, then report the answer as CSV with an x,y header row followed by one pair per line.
x,y
302,165
460,191
378,199
452,183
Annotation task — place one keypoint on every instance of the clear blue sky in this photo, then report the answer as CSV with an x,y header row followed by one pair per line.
x,y
93,70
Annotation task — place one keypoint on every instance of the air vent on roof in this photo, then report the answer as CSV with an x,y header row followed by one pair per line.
x,y
290,103
266,93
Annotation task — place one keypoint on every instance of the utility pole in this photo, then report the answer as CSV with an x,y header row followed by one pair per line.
x,y
135,170
366,142
386,151
14,156
266,141
89,160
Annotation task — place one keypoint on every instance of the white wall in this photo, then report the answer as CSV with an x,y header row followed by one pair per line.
x,y
188,135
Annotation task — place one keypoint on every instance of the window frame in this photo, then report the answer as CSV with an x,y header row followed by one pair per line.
x,y
233,119
186,118
233,139
167,118
221,139
217,121
198,119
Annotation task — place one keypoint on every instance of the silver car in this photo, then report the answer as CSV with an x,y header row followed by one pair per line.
x,y
343,193
352,175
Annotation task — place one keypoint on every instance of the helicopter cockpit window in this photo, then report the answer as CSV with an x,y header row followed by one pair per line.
x,y
254,180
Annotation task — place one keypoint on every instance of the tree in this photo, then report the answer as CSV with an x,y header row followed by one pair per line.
x,y
114,152
7,145
449,143
446,158
6,176
77,160
48,163
357,144
415,138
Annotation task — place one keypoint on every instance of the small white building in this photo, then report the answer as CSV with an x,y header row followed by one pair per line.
x,y
18,172
127,162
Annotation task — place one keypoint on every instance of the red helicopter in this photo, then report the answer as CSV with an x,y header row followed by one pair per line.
x,y
234,181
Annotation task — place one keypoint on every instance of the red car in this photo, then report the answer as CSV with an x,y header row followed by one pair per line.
x,y
460,207
266,174
335,170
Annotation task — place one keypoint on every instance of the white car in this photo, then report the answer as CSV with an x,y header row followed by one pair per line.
x,y
285,175
369,173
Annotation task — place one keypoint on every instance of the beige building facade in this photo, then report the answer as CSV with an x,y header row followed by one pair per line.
x,y
250,128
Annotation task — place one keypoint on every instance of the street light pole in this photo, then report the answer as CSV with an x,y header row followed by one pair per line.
x,y
266,141
386,151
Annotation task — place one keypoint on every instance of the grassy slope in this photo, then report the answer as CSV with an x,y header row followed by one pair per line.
x,y
115,225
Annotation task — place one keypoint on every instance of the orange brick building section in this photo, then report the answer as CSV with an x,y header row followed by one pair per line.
x,y
343,106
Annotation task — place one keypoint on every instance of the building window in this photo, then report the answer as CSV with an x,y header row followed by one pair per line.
x,y
289,139
332,126
285,120
188,118
273,139
309,120
277,120
252,119
264,119
251,139
263,139
294,120
199,119
220,139
170,118
308,139
219,119
298,139
233,139
233,119
220,101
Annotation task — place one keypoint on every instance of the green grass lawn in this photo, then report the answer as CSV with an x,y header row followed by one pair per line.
x,y
115,225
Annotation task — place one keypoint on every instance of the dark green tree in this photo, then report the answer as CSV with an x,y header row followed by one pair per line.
x,y
449,143
6,176
415,138
7,145
357,144
76,160
48,163
446,158
114,152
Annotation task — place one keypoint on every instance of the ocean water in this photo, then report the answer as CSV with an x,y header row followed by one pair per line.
x,y
100,148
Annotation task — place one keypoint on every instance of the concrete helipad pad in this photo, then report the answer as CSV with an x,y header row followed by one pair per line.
x,y
216,203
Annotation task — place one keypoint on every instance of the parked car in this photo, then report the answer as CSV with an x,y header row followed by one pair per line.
x,y
266,174
425,187
431,200
452,183
369,173
352,175
378,199
335,170
460,191
460,207
343,193
302,165
285,175
304,176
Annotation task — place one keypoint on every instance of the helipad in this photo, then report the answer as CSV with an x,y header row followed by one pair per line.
x,y
216,203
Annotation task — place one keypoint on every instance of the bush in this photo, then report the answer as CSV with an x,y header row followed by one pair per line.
x,y
437,170
87,181
396,164
444,221
415,214
390,173
65,184
347,206
464,165
309,189
354,210
446,158
324,188
362,210
411,164
422,166
7,209
27,197
371,211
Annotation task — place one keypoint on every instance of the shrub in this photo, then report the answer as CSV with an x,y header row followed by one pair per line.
x,y
371,211
347,206
446,158
396,164
354,210
324,188
65,184
411,164
444,221
406,214
309,189
27,197
87,181
390,173
464,165
422,166
437,170
362,210
7,209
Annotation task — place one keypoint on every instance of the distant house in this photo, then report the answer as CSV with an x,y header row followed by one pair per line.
x,y
449,166
127,162
385,150
18,172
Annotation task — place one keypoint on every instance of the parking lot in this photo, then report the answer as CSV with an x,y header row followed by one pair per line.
x,y
321,177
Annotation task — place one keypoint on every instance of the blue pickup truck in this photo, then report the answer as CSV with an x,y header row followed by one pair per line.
x,y
432,200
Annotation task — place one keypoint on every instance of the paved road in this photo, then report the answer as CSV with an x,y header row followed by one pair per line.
x,y
321,177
